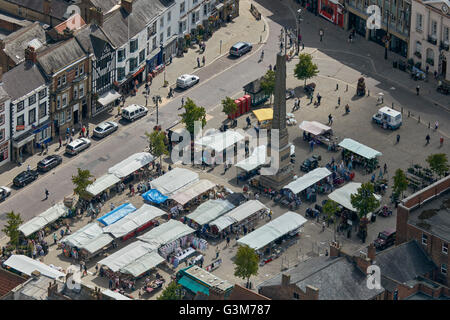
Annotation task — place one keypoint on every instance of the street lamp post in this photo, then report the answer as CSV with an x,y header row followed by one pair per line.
x,y
297,23
156,100
386,42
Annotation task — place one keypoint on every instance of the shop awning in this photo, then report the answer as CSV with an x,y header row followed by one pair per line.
x,y
314,127
21,143
114,295
342,195
174,180
108,97
131,164
134,221
154,196
98,243
101,184
360,149
219,6
210,210
308,180
193,191
27,265
166,233
193,285
117,214
45,218
258,158
283,225
90,238
238,214
263,114
143,264
220,141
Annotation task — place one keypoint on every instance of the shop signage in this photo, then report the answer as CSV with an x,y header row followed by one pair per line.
x,y
20,127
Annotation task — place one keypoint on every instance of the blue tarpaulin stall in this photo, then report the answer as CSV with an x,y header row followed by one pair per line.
x,y
154,196
117,214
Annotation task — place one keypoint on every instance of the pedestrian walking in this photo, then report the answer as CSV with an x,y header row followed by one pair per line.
x,y
323,226
84,269
311,145
262,55
217,252
203,60
427,138
311,97
60,141
249,123
28,168
385,168
73,131
182,102
337,86
198,62
319,97
81,266
270,67
228,240
330,119
339,101
87,132
110,283
61,233
436,125
46,194
112,206
417,89
398,138
303,45
441,141
55,238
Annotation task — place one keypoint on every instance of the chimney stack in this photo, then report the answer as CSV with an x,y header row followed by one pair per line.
x,y
127,5
30,54
35,274
371,252
216,294
47,7
285,280
312,293
96,16
335,249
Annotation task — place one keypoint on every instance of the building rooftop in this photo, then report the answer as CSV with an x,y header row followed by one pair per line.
x,y
433,216
105,5
336,279
34,289
208,278
72,23
58,7
9,281
60,55
241,293
22,80
92,39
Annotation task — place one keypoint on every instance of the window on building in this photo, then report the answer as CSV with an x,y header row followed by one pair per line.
x,y
76,72
62,118
59,82
430,55
168,32
182,7
82,69
424,239
169,16
120,73
444,268
21,120
154,43
69,114
433,27
32,116
2,135
419,26
205,10
2,119
75,92
142,56
4,152
121,55
32,100
161,22
63,81
445,34
42,110
151,30
81,90
296,296
193,18
64,100
20,105
161,38
148,48
445,247
194,1
42,93
133,45
44,134
58,102
133,64
2,107
418,47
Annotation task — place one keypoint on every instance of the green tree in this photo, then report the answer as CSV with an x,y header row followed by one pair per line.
x,y
82,181
400,182
157,143
247,262
11,229
305,68
268,83
171,292
191,114
330,208
364,202
229,106
438,163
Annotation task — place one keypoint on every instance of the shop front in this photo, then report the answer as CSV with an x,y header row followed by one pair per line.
x,y
23,146
311,5
4,153
357,23
43,134
396,44
332,10
105,101
130,85
170,50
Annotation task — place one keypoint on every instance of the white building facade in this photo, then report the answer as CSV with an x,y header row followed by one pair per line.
x,y
5,102
430,36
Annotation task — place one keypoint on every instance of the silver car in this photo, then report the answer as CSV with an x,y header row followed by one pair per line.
x,y
77,146
105,128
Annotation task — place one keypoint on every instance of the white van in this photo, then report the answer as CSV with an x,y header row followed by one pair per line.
x,y
388,118
187,80
133,112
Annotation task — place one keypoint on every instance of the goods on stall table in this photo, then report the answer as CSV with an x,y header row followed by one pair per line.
x,y
154,285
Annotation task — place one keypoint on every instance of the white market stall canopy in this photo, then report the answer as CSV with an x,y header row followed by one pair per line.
x,y
101,184
314,127
47,217
220,141
27,265
210,210
108,97
360,149
284,224
194,190
174,180
308,180
258,158
90,237
127,255
114,295
238,214
143,264
166,233
342,195
134,221
131,164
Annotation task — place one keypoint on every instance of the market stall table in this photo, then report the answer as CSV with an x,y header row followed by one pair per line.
x,y
44,219
366,156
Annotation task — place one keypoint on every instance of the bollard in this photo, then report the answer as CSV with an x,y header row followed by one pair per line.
x,y
428,125
368,92
337,86
346,88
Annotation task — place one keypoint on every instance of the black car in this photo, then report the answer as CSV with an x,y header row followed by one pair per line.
x,y
49,162
25,177
385,239
309,164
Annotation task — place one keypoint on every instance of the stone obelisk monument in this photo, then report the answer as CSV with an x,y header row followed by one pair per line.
x,y
281,171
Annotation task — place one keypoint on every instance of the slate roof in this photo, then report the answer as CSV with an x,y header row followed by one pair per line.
x,y
17,42
60,55
58,7
3,93
405,262
105,5
22,79
92,39
9,281
336,279
116,25
241,293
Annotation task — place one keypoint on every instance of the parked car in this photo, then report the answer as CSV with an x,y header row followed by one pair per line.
x,y
385,239
309,89
49,162
310,164
105,128
25,177
133,112
187,80
77,146
5,192
240,48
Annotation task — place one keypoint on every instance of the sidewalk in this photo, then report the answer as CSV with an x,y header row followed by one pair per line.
x,y
244,28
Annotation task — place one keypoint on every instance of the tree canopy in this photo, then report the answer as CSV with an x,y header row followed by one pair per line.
x,y
157,143
246,263
82,181
11,229
171,292
364,200
330,208
305,68
400,182
438,163
229,106
268,83
191,114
